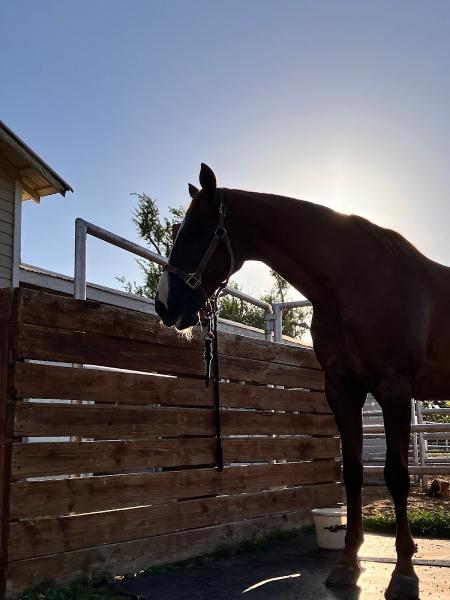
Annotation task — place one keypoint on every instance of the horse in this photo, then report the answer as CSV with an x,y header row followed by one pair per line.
x,y
380,324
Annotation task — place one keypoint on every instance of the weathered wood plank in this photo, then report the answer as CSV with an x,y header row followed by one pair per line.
x,y
115,422
132,556
110,422
43,343
41,459
105,386
95,317
78,495
39,537
236,422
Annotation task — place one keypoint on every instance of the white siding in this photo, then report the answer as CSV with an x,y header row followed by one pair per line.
x,y
7,200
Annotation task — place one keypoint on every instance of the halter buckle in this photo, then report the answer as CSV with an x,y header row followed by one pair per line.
x,y
193,281
220,232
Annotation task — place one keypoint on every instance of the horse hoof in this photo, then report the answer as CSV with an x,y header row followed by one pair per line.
x,y
341,576
402,587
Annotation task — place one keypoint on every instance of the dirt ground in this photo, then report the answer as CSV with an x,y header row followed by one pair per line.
x,y
376,498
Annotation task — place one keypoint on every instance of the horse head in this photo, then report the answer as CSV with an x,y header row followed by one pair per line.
x,y
202,258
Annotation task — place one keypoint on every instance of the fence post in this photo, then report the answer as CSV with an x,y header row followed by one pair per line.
x,y
79,283
277,322
6,308
268,325
414,437
422,444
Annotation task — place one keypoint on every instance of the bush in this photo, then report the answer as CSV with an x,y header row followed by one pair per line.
x,y
427,523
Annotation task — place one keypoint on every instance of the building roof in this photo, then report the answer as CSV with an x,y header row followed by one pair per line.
x,y
19,160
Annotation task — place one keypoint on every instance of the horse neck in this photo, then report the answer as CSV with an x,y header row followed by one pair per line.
x,y
301,241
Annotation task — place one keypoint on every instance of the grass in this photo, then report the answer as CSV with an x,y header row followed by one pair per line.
x,y
428,523
224,551
97,590
79,590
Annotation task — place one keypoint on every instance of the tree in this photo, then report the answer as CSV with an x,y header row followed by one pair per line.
x,y
156,231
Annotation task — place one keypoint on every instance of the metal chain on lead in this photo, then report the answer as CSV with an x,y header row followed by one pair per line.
x,y
212,359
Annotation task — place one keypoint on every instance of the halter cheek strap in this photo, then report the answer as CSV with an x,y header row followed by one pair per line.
x,y
194,279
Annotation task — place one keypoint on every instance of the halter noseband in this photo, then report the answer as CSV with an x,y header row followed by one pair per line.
x,y
194,279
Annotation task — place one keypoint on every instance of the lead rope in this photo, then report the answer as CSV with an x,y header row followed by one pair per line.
x,y
212,359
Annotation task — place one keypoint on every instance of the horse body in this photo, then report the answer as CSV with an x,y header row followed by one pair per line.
x,y
380,325
379,304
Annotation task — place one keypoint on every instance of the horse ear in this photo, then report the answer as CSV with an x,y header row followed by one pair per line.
x,y
193,191
207,178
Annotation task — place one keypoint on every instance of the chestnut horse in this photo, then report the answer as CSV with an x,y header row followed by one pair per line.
x,y
380,324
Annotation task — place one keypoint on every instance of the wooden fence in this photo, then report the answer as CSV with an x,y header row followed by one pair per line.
x,y
109,468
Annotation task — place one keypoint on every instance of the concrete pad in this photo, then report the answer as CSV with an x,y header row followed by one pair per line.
x,y
293,569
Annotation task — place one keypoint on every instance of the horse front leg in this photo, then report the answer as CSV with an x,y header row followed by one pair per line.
x,y
394,396
346,399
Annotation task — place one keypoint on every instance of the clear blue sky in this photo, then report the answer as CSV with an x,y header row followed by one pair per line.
x,y
342,103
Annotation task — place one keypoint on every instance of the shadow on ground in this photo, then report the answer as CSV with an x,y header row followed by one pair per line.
x,y
293,569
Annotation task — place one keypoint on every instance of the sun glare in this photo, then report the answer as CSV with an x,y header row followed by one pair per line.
x,y
271,580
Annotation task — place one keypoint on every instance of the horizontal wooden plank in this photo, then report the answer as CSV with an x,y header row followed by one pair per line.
x,y
110,422
133,556
254,423
43,343
59,458
38,537
54,382
116,422
95,317
51,458
90,494
294,449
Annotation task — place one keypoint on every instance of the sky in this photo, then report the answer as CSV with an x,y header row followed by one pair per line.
x,y
341,103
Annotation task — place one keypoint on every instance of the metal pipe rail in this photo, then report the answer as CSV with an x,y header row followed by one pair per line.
x,y
415,428
84,228
425,411
277,316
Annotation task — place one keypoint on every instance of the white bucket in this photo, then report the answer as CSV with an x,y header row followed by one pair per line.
x,y
331,527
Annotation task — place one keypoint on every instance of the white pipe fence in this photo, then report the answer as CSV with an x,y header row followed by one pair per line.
x,y
83,228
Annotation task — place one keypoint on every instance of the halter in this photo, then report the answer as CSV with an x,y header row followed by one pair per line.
x,y
194,281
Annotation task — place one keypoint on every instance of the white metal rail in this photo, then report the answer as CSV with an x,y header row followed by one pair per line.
x,y
84,228
430,442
